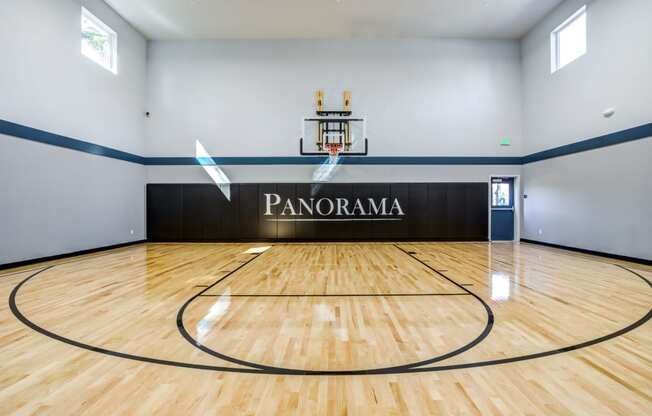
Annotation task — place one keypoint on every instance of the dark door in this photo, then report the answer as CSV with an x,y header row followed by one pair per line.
x,y
502,209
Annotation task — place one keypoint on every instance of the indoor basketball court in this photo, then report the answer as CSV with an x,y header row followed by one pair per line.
x,y
346,207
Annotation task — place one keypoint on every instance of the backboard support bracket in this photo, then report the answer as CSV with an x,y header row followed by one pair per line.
x,y
334,132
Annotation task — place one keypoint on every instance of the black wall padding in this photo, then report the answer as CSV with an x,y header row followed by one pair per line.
x,y
201,212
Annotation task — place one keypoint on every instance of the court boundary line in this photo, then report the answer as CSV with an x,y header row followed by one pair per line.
x,y
23,319
94,252
293,371
549,353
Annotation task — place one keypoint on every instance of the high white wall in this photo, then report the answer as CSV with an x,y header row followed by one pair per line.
x,y
601,199
48,84
247,98
567,106
55,200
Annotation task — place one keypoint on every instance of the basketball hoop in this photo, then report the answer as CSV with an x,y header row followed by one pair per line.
x,y
334,149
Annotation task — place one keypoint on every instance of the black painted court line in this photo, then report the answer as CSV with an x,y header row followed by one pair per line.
x,y
89,253
96,253
14,309
22,271
293,371
16,312
382,295
92,255
490,313
585,344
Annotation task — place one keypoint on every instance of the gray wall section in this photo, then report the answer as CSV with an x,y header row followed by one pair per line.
x,y
55,201
598,200
346,173
46,83
58,201
420,96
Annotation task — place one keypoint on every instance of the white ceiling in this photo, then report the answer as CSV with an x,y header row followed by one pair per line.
x,y
309,19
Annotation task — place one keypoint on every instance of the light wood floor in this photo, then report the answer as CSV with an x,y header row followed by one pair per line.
x,y
362,329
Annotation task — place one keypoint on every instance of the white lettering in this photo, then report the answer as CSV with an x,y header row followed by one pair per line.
x,y
288,207
342,206
304,204
378,210
358,206
269,203
338,206
330,210
396,206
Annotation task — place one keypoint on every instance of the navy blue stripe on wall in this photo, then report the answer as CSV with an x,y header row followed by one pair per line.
x,y
41,136
623,136
28,133
349,160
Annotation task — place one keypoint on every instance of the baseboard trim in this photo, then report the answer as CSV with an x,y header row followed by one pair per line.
x,y
67,255
131,243
592,252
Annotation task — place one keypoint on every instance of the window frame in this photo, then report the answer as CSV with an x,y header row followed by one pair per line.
x,y
510,184
113,40
554,39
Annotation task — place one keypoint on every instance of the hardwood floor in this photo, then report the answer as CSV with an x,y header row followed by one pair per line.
x,y
411,328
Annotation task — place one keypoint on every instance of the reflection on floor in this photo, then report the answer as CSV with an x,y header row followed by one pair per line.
x,y
256,310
